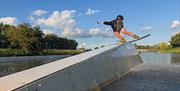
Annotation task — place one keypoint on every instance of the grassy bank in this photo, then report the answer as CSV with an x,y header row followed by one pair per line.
x,y
61,52
18,52
147,50
171,50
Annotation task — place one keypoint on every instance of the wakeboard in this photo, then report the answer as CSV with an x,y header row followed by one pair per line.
x,y
134,40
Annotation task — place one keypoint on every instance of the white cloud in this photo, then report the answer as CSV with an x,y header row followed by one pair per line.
x,y
146,28
31,18
175,24
8,20
59,20
176,32
39,12
83,45
94,32
91,12
107,28
47,31
99,32
64,24
77,33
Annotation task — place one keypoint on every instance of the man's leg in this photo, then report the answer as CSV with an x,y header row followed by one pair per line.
x,y
120,37
123,30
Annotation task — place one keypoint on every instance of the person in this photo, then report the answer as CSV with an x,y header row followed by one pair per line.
x,y
118,27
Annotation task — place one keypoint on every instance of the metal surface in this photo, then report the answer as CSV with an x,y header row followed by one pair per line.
x,y
81,72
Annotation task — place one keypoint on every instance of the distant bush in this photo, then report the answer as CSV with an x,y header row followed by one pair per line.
x,y
164,46
175,40
171,50
13,52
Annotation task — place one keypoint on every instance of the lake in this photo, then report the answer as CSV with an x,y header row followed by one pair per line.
x,y
160,58
9,65
159,72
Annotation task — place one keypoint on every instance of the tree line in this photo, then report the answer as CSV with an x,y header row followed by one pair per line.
x,y
173,43
31,39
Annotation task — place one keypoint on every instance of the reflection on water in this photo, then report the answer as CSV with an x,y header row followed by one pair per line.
x,y
160,58
12,67
175,58
8,67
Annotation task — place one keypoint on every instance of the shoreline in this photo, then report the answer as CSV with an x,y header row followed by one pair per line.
x,y
170,50
19,52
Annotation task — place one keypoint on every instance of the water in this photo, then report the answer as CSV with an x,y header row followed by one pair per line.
x,y
159,72
10,65
160,58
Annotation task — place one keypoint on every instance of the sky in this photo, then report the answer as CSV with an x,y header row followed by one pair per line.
x,y
76,19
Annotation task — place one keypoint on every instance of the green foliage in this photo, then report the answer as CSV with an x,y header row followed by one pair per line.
x,y
161,46
175,40
143,46
164,46
4,43
156,47
60,52
171,50
31,39
26,38
20,52
54,42
13,52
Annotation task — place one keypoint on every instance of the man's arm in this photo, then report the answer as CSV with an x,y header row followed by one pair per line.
x,y
107,23
104,22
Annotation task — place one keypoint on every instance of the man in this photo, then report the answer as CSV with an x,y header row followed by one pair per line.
x,y
117,26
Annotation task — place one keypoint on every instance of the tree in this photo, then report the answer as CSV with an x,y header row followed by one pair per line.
x,y
65,43
175,40
164,46
54,42
25,37
72,44
4,43
51,41
38,38
156,46
31,39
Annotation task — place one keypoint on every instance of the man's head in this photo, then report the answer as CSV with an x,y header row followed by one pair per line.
x,y
119,17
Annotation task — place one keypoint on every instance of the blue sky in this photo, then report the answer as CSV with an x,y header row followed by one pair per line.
x,y
76,19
